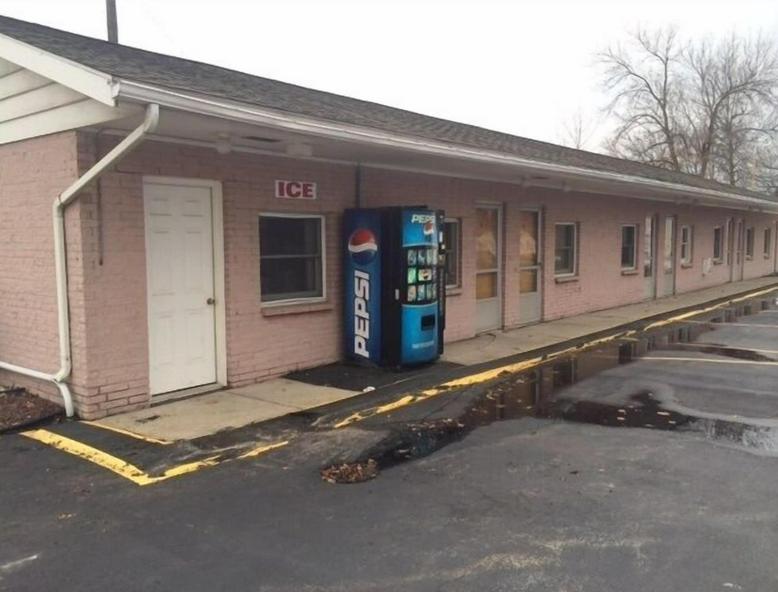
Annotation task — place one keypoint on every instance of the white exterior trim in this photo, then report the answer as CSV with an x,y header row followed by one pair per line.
x,y
92,83
574,273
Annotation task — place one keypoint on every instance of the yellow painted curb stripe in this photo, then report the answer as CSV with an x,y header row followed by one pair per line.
x,y
128,470
517,367
93,455
124,432
262,449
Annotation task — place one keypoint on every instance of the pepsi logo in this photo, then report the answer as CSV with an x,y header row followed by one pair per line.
x,y
429,228
362,246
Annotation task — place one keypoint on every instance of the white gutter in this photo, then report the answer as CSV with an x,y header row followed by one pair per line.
x,y
149,124
204,105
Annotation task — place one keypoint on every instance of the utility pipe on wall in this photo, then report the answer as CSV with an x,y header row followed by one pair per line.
x,y
149,124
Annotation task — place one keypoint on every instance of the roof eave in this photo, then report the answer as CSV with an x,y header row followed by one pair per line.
x,y
89,82
211,106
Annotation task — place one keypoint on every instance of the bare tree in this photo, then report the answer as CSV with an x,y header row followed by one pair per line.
x,y
577,131
706,108
645,91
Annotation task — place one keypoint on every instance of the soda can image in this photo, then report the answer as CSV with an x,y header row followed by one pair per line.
x,y
411,293
411,256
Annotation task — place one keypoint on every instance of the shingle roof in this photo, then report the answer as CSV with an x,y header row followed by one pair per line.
x,y
160,70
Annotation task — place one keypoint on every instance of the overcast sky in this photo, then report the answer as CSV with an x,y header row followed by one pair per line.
x,y
523,67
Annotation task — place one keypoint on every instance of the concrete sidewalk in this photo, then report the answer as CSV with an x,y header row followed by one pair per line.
x,y
203,415
492,346
234,408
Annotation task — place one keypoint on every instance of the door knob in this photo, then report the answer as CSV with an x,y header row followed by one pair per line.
x,y
210,302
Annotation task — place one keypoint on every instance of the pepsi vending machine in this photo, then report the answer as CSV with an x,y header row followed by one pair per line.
x,y
395,285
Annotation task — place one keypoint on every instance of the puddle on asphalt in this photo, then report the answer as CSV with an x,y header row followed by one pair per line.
x,y
540,393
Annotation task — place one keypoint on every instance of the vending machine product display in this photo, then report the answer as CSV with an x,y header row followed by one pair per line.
x,y
394,285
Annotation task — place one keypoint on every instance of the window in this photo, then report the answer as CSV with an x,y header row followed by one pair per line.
x,y
768,243
291,262
717,243
452,238
687,245
750,242
565,249
629,246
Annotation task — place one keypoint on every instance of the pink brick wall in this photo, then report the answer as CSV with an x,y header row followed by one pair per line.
x,y
261,342
107,257
32,173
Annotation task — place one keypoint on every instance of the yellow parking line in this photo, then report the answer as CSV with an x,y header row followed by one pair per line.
x,y
702,345
124,432
487,375
128,470
708,360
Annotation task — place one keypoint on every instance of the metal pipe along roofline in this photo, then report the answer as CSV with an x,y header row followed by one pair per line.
x,y
231,110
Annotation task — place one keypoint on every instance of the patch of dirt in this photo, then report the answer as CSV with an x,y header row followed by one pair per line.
x,y
355,472
18,408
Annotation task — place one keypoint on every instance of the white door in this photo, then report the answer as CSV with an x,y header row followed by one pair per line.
x,y
180,276
530,277
488,243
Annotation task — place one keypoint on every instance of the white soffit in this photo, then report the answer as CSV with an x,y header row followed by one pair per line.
x,y
33,104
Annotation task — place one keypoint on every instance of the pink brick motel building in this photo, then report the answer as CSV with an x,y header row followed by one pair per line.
x,y
146,205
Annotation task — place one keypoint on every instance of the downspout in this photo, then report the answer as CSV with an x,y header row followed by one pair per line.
x,y
149,124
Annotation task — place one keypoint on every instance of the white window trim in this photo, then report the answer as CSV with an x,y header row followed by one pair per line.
x,y
458,222
634,265
687,261
323,237
574,273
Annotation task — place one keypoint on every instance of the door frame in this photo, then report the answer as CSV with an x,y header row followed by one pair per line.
x,y
736,246
674,254
217,234
498,206
540,267
775,247
654,250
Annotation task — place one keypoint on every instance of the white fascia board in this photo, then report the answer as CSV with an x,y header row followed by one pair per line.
x,y
92,83
214,107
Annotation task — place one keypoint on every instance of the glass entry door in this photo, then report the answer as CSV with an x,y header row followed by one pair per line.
x,y
488,243
530,277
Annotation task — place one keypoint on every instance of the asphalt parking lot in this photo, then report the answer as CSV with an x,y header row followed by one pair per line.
x,y
649,462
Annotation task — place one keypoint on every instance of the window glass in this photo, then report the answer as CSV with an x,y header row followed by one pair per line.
x,y
628,246
750,242
686,244
717,243
291,261
564,255
768,242
486,238
452,239
528,238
